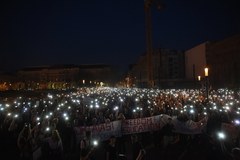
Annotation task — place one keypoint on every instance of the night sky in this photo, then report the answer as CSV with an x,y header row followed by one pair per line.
x,y
46,32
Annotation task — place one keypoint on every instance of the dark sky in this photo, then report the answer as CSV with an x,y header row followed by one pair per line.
x,y
45,32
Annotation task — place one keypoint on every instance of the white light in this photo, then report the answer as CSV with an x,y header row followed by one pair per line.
x,y
192,111
95,143
221,135
237,122
97,106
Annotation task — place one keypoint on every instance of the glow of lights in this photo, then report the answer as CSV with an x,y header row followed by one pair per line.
x,y
192,111
206,72
237,122
48,129
221,135
95,143
199,78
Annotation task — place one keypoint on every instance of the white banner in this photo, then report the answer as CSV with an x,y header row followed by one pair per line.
x,y
130,126
101,131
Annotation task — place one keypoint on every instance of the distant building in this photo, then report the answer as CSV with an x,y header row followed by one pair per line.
x,y
60,77
168,68
195,62
223,59
7,80
55,73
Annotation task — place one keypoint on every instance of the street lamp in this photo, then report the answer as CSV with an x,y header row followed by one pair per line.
x,y
206,72
206,82
199,78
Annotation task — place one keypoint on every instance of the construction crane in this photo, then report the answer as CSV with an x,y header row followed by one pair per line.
x,y
148,20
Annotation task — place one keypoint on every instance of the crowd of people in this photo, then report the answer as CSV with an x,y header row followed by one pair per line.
x,y
43,127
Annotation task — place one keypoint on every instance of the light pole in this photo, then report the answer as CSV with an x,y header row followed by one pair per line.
x,y
200,84
148,18
206,82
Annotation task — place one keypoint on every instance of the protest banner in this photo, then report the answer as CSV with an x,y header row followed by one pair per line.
x,y
101,131
188,127
139,125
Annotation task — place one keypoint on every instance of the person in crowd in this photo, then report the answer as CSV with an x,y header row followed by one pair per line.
x,y
55,146
111,149
235,152
86,148
167,131
138,152
86,154
24,143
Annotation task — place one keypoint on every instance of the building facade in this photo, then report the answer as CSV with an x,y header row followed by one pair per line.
x,y
59,77
168,68
195,62
223,59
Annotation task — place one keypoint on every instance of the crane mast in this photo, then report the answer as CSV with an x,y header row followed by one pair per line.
x,y
148,20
